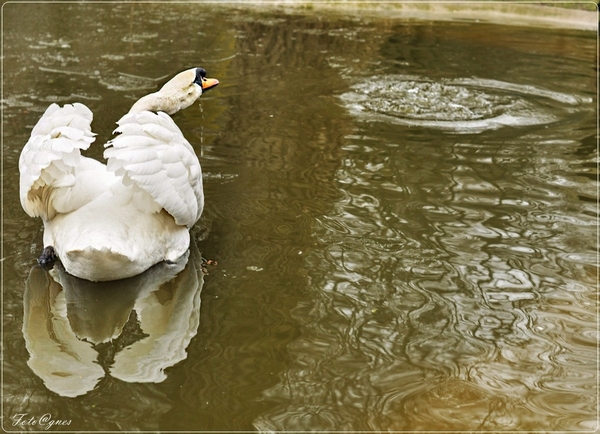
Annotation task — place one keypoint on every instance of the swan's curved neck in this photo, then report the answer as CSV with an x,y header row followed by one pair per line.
x,y
168,100
152,102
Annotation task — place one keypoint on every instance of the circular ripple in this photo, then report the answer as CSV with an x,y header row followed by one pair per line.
x,y
458,104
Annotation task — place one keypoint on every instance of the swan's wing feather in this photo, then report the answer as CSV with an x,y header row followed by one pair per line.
x,y
52,156
151,152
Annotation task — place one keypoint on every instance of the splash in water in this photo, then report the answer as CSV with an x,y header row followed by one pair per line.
x,y
462,105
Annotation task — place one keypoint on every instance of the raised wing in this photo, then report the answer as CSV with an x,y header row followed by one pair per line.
x,y
50,160
151,152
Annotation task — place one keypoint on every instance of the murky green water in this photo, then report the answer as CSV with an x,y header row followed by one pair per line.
x,y
404,216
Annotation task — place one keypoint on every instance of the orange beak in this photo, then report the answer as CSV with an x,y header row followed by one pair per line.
x,y
209,83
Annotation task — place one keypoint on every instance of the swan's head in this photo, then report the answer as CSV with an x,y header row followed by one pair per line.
x,y
178,93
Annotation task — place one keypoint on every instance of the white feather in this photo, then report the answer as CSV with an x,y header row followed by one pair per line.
x,y
52,157
113,221
150,150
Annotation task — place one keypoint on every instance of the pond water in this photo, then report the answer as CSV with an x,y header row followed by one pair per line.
x,y
403,216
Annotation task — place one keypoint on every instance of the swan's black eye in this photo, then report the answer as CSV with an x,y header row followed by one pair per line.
x,y
200,74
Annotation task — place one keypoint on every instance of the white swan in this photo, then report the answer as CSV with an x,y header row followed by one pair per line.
x,y
109,222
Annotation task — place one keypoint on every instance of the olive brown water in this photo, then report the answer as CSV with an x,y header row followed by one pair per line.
x,y
401,223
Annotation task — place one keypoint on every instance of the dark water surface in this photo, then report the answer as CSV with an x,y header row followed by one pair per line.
x,y
404,216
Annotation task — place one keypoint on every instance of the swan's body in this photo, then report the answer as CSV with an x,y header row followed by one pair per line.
x,y
108,222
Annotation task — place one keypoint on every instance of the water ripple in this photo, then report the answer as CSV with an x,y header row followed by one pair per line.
x,y
462,105
449,290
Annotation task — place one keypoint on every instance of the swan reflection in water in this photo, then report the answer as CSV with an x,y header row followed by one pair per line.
x,y
149,320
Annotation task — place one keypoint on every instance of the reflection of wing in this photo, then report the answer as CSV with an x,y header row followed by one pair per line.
x,y
60,325
151,152
170,316
66,365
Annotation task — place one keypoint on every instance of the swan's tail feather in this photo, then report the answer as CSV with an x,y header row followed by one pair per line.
x,y
51,156
98,263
